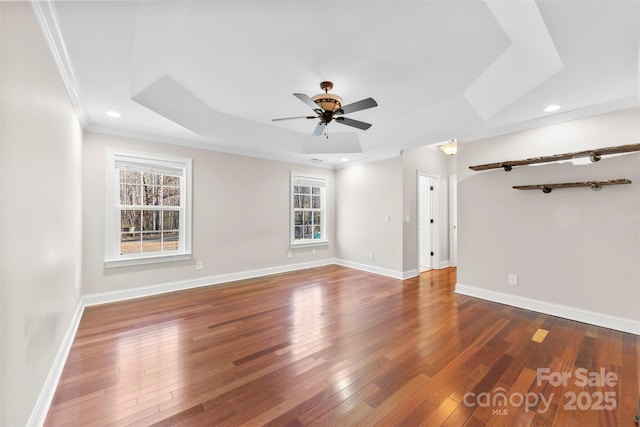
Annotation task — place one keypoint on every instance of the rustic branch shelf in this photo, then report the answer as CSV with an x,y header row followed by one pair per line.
x,y
594,185
594,155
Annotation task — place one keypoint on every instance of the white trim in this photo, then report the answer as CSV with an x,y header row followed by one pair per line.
x,y
45,13
435,214
112,256
552,119
395,274
151,259
126,294
410,273
309,179
309,244
41,408
586,316
443,264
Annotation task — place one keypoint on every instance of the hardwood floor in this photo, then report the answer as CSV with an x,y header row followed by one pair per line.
x,y
337,346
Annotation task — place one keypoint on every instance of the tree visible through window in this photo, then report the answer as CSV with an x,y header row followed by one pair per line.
x,y
308,209
150,215
151,204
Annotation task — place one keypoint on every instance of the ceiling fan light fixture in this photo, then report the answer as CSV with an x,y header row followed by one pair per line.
x,y
450,148
328,101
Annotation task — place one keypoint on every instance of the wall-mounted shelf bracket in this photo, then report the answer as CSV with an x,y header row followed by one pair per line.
x,y
594,185
594,155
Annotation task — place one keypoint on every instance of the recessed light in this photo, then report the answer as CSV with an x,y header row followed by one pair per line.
x,y
113,114
344,159
551,108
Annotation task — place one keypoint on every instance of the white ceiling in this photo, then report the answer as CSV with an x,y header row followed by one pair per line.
x,y
214,73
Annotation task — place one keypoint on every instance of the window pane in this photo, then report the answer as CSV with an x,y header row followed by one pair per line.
x,y
129,221
151,195
308,208
307,218
129,243
170,220
308,232
129,195
171,196
171,180
151,220
170,241
151,242
131,177
151,179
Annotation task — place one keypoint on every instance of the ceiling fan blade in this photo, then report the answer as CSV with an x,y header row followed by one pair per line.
x,y
355,123
360,105
304,98
299,117
319,129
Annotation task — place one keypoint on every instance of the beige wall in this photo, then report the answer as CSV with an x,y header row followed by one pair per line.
x,y
365,195
40,210
240,217
572,247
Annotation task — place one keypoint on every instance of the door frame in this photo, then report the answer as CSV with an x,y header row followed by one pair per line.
x,y
435,180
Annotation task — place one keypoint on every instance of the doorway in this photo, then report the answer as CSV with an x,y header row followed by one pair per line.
x,y
426,222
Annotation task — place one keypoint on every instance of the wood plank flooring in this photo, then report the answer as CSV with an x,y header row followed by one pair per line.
x,y
337,346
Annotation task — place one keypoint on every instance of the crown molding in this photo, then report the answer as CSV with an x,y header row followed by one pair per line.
x,y
206,145
45,13
566,116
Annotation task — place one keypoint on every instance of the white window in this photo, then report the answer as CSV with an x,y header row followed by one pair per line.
x,y
148,208
308,210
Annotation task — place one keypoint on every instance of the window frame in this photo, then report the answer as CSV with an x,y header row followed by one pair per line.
x,y
113,209
296,178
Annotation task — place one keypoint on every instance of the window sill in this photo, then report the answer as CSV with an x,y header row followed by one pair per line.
x,y
114,263
309,244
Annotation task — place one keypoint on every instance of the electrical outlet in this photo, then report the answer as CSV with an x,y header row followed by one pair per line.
x,y
289,254
199,265
513,279
371,255
313,251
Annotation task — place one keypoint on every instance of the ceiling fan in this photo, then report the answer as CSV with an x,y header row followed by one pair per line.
x,y
329,107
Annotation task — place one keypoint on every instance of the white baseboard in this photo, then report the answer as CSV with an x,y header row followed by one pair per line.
x,y
566,312
410,273
443,264
126,294
41,408
395,274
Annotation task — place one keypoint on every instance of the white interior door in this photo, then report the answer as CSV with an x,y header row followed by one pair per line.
x,y
425,222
